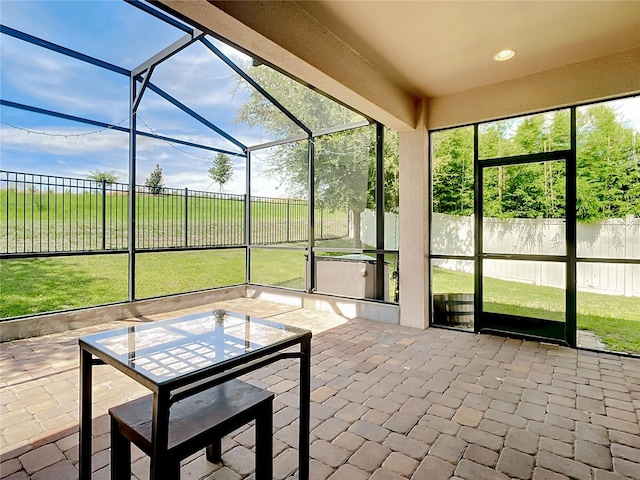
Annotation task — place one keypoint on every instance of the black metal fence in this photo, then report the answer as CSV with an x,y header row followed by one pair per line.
x,y
50,214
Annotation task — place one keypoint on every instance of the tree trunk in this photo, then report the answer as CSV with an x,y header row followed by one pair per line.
x,y
357,226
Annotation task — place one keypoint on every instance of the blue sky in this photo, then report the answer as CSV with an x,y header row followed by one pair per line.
x,y
121,34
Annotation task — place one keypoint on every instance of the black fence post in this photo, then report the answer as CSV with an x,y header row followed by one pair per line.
x,y
288,221
186,217
104,214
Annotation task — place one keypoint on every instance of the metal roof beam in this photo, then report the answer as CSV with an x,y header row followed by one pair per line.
x,y
276,143
168,52
341,128
158,58
195,115
118,128
255,85
161,15
145,83
188,144
51,113
62,50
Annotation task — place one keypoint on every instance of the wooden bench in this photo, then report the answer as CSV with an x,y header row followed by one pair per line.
x,y
195,422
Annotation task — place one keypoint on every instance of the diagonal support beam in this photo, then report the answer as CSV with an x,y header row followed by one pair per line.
x,y
145,84
255,85
118,128
51,113
62,50
195,115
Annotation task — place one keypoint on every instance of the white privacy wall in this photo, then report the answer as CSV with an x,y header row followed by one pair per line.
x,y
614,238
368,229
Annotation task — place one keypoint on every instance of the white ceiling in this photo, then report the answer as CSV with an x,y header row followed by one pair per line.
x,y
435,48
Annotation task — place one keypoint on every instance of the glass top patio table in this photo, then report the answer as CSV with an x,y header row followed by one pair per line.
x,y
165,351
179,357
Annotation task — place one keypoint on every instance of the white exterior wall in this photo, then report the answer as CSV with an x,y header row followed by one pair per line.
x,y
614,238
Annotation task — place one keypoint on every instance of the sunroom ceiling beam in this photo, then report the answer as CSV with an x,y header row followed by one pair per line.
x,y
110,126
341,128
168,52
162,16
275,143
196,116
62,50
255,85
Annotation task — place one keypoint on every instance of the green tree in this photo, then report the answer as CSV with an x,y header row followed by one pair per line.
x,y
100,176
343,160
559,137
607,165
221,169
524,192
154,181
452,155
530,136
495,142
527,190
391,179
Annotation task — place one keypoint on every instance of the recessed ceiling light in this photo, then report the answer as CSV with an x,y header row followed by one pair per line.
x,y
503,55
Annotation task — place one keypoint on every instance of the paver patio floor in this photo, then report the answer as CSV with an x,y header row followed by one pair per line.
x,y
388,402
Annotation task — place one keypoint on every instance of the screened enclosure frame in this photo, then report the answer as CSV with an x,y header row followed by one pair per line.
x,y
140,81
495,323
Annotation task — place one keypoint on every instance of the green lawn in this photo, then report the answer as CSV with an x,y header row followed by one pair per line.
x,y
283,268
37,285
614,319
40,285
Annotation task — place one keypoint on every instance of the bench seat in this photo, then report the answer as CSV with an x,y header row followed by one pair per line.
x,y
195,422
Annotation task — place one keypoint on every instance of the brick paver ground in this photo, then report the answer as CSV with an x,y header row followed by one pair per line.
x,y
389,402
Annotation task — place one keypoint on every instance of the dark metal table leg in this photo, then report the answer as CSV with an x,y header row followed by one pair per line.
x,y
84,454
160,437
120,453
214,451
264,443
305,409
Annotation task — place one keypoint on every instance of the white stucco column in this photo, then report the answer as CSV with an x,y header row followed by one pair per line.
x,y
414,223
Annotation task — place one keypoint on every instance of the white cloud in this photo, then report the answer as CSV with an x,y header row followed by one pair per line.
x,y
234,55
45,79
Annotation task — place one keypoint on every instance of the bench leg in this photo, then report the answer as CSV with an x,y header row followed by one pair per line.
x,y
214,451
264,443
173,470
120,454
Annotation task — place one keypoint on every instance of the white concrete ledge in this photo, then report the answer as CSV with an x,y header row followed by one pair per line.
x,y
45,324
348,308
